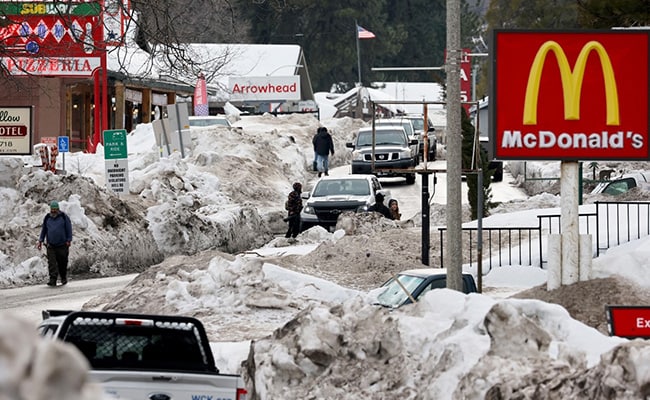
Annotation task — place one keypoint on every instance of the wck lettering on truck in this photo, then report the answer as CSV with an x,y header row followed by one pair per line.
x,y
555,111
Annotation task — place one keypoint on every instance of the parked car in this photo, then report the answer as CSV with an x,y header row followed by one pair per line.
x,y
624,183
408,286
418,124
405,123
394,152
209,120
332,196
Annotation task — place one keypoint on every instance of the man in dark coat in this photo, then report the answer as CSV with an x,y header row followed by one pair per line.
x,y
380,207
294,207
323,146
56,232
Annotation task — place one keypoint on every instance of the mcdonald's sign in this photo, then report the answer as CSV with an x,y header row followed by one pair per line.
x,y
570,95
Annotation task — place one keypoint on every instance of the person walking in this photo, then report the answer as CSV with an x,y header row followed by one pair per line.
x,y
394,210
294,207
380,207
323,146
56,232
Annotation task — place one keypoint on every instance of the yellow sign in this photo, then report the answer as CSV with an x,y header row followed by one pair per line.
x,y
571,81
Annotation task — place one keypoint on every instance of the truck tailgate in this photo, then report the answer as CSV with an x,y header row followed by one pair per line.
x,y
160,385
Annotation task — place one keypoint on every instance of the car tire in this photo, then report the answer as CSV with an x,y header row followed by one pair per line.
x,y
410,179
432,155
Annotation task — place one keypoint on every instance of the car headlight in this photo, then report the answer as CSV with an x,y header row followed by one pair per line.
x,y
308,210
405,153
362,208
357,156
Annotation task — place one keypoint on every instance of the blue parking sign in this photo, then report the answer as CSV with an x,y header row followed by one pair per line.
x,y
64,144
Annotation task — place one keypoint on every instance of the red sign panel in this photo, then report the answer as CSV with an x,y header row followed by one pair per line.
x,y
629,321
466,79
570,95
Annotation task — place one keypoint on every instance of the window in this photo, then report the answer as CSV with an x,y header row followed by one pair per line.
x,y
394,295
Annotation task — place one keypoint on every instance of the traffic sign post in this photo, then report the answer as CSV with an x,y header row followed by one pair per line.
x,y
116,160
64,147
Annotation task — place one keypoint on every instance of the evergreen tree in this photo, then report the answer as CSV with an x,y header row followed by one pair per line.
x,y
472,160
605,14
408,33
533,14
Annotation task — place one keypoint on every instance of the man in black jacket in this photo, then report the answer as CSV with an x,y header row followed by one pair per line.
x,y
380,207
323,146
294,207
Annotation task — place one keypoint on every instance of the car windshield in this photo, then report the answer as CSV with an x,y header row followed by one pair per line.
x,y
381,138
404,124
352,187
209,122
394,295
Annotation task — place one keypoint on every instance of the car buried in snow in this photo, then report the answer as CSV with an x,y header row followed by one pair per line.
x,y
408,286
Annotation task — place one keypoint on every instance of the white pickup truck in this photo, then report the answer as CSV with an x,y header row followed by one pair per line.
x,y
145,357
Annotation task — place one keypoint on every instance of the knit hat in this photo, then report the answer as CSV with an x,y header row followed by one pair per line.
x,y
54,204
297,186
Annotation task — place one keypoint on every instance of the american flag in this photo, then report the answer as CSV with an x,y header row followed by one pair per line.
x,y
364,33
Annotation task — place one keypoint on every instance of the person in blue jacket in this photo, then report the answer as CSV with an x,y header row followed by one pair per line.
x,y
56,232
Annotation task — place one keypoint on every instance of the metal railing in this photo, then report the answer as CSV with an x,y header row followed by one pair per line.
x,y
524,245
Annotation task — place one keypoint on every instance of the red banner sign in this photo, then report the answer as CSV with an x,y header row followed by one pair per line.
x,y
629,321
570,95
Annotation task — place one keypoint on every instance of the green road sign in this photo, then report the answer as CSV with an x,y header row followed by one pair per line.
x,y
115,144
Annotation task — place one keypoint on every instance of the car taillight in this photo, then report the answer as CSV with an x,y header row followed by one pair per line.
x,y
241,394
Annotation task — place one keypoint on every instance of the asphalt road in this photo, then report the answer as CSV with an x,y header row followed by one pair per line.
x,y
29,301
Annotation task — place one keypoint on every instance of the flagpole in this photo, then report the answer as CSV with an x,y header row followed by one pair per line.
x,y
356,34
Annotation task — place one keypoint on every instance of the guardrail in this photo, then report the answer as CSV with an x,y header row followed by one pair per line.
x,y
524,245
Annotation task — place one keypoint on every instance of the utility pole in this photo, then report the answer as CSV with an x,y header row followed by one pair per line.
x,y
454,255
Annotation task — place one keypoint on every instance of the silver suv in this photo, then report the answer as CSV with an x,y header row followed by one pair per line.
x,y
418,125
332,196
393,153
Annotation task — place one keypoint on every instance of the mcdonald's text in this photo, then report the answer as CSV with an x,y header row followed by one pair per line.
x,y
565,141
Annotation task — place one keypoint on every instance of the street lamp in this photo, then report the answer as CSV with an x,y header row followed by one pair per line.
x,y
284,66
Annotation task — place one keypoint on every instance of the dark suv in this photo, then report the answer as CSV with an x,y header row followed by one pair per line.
x,y
393,151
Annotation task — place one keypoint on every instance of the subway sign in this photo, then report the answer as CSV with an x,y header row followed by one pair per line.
x,y
577,95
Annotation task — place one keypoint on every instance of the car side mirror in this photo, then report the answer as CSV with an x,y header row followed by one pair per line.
x,y
350,145
432,129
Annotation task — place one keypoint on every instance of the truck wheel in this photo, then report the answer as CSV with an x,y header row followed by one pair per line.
x,y
410,179
432,155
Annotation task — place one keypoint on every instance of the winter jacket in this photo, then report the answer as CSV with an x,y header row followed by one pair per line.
x,y
382,209
57,230
294,203
323,143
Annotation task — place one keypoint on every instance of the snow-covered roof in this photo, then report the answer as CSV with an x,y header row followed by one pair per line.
x,y
216,61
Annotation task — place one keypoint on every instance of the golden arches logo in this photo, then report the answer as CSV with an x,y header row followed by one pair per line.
x,y
571,81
